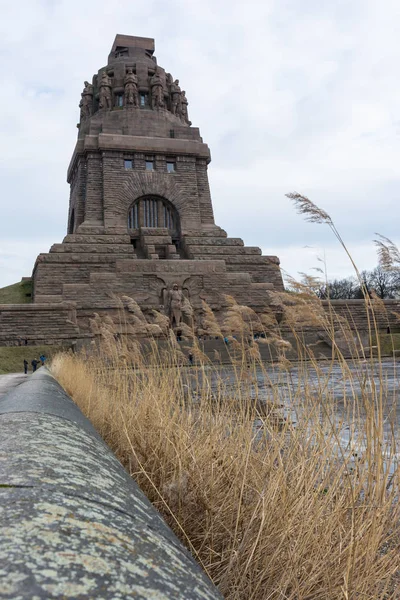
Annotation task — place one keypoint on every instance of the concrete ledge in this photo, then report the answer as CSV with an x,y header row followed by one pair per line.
x,y
360,302
37,307
73,523
108,141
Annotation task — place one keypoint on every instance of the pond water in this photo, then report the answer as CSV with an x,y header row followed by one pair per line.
x,y
339,386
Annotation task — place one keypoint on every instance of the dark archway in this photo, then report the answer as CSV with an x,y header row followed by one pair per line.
x,y
71,225
153,212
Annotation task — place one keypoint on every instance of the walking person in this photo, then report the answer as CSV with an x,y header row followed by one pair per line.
x,y
34,364
190,357
25,366
42,358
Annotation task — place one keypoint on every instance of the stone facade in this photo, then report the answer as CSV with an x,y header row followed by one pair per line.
x,y
140,214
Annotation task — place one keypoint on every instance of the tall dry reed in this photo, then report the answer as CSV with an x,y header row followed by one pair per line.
x,y
270,501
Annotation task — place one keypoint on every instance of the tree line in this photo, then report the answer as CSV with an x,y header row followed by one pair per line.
x,y
384,283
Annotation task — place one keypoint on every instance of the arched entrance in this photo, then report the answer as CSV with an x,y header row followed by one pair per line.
x,y
154,213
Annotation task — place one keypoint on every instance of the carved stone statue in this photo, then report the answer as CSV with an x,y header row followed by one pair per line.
x,y
176,98
131,88
169,80
82,109
105,99
157,90
184,108
86,103
175,302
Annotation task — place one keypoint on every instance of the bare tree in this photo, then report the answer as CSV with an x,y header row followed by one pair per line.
x,y
385,283
342,288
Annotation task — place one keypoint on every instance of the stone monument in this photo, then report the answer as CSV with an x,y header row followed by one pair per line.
x,y
141,220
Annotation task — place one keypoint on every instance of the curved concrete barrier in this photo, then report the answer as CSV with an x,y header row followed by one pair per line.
x,y
73,524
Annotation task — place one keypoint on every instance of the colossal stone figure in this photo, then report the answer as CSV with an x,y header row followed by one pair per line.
x,y
176,98
105,91
157,90
184,108
131,89
86,103
175,303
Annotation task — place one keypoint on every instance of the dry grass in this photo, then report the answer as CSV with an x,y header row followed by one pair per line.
x,y
269,508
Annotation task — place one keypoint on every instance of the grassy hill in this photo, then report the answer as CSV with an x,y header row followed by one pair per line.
x,y
12,357
17,293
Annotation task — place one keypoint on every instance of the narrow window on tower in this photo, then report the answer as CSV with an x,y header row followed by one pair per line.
x,y
149,163
143,99
171,166
128,163
119,100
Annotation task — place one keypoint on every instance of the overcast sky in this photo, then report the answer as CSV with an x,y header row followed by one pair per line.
x,y
289,94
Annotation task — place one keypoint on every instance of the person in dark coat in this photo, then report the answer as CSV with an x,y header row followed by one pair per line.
x,y
190,356
25,366
34,364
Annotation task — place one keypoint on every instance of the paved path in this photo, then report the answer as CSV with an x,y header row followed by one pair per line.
x,y
10,381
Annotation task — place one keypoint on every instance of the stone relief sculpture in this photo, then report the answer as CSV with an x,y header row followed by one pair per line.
x,y
131,88
86,103
157,90
174,304
184,108
105,100
177,306
176,98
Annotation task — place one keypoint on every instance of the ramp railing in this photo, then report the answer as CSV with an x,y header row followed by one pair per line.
x,y
73,524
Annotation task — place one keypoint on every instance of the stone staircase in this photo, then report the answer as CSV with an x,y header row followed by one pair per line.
x,y
157,244
238,257
75,260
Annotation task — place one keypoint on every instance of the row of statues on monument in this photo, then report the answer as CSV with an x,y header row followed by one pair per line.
x,y
176,102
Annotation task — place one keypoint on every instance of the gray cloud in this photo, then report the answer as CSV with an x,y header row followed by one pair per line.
x,y
289,95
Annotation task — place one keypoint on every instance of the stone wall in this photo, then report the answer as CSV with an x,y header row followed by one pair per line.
x,y
46,323
384,313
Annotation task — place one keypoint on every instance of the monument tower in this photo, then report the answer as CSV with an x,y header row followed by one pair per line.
x,y
140,220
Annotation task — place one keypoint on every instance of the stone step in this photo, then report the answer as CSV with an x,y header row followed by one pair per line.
x,y
91,230
222,251
48,298
215,231
93,248
89,258
248,260
212,241
76,238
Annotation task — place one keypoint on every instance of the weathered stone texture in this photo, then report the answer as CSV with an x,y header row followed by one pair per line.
x,y
38,323
355,313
